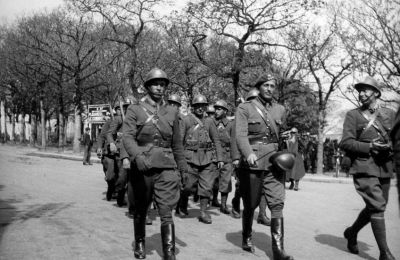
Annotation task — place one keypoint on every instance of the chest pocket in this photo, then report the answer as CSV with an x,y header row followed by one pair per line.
x,y
254,126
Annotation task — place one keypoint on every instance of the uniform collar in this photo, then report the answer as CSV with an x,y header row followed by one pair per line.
x,y
224,121
151,102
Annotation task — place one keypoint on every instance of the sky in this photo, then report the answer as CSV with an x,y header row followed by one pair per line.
x,y
11,9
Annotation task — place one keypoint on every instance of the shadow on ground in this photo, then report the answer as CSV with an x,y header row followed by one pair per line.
x,y
7,213
341,244
261,242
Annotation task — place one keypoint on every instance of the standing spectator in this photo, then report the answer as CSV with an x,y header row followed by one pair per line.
x,y
257,127
87,143
293,146
366,141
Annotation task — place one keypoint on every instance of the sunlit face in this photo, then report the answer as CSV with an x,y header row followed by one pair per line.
x,y
367,95
156,88
220,112
199,109
267,89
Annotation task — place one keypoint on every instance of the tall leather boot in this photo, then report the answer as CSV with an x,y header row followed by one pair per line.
x,y
236,203
204,216
183,205
140,234
379,230
262,214
277,234
351,232
215,202
247,223
291,184
110,189
168,241
224,209
296,185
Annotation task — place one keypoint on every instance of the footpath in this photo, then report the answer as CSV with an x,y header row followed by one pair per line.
x,y
327,177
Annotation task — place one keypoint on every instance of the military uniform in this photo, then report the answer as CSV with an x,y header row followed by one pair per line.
x,y
257,126
149,138
107,159
395,135
202,147
366,140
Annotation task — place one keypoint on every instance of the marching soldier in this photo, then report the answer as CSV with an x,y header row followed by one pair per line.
x,y
224,127
366,141
201,144
151,137
257,127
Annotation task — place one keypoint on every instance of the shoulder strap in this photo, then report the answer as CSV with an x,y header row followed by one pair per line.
x,y
371,121
264,113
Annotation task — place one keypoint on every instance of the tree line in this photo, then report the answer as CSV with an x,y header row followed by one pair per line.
x,y
98,51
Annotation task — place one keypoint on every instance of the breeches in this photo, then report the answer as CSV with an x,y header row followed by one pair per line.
x,y
110,167
224,181
161,184
254,184
374,191
200,178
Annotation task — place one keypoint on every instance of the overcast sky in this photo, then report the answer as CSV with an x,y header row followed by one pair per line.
x,y
10,9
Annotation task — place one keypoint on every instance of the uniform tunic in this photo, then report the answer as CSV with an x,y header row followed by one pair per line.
x,y
202,147
255,134
224,128
151,137
371,172
107,158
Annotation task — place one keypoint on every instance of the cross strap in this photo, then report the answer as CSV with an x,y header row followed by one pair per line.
x,y
266,116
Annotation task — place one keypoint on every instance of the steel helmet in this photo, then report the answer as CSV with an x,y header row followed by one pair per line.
x,y
199,99
210,109
175,98
294,130
221,103
156,73
252,93
283,160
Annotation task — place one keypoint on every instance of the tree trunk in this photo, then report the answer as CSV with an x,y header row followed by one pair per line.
x,y
12,134
320,147
33,137
43,124
23,130
3,132
61,126
77,130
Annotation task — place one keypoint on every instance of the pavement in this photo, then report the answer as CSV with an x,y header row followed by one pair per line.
x,y
52,208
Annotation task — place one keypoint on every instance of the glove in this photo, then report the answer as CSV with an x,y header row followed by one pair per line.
x,y
113,148
140,161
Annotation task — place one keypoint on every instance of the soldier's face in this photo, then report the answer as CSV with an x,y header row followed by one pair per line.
x,y
199,109
156,89
367,95
267,89
220,112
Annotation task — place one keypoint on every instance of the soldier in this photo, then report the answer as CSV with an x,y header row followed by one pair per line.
x,y
103,151
88,143
201,144
224,127
114,138
395,135
210,111
257,127
175,101
151,139
366,141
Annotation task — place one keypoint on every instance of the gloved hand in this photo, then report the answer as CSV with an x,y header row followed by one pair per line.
x,y
252,160
113,148
126,163
235,163
140,161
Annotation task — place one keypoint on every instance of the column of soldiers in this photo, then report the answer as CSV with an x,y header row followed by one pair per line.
x,y
171,156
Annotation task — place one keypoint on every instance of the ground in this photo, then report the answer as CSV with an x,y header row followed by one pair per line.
x,y
56,209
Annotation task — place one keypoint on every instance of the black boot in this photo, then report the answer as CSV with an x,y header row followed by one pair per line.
x,y
296,185
140,233
351,232
224,209
262,214
121,198
291,184
168,241
183,205
277,234
247,223
110,189
215,202
236,204
204,216
379,230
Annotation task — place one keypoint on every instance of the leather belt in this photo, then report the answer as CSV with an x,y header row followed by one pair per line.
x,y
262,140
158,143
